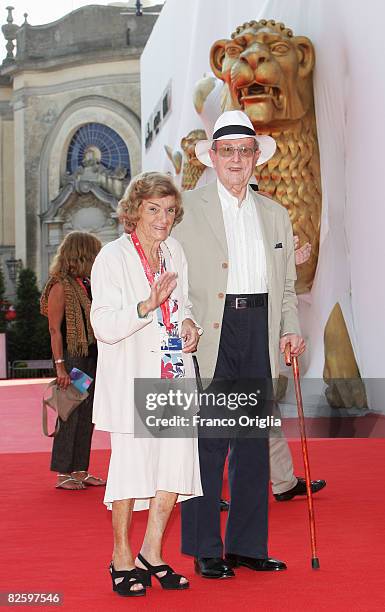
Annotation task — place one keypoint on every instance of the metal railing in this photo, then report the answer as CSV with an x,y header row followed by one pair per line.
x,y
31,368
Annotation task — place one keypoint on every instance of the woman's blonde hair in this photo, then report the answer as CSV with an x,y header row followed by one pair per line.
x,y
75,255
143,187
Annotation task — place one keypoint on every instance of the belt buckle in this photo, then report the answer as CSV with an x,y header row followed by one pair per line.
x,y
240,303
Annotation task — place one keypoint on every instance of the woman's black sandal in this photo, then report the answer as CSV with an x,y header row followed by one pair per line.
x,y
124,580
170,580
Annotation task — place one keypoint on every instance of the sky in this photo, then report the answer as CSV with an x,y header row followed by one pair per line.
x,y
45,11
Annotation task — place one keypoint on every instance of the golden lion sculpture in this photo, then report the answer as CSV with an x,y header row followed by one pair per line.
x,y
192,167
267,72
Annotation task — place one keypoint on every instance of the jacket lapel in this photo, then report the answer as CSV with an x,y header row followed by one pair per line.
x,y
170,267
134,263
211,207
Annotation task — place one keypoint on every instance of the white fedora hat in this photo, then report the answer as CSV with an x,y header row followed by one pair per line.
x,y
230,126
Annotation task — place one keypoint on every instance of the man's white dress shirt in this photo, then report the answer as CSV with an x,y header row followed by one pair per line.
x,y
247,259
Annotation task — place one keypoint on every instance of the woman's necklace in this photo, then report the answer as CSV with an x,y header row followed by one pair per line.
x,y
156,266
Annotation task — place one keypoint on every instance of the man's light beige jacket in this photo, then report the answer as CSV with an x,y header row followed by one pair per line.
x,y
202,235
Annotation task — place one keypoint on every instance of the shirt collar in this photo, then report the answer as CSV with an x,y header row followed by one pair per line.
x,y
228,199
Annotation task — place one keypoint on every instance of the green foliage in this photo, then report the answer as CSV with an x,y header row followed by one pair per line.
x,y
28,335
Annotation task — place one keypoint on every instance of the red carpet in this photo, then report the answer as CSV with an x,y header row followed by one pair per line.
x,y
60,541
20,412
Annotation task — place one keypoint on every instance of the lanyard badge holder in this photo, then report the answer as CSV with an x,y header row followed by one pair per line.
x,y
172,365
172,343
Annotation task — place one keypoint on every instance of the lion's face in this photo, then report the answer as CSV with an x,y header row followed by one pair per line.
x,y
188,146
267,72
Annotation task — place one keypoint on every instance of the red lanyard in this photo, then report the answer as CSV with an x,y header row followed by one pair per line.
x,y
165,307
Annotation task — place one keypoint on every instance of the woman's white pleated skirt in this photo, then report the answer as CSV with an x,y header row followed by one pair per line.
x,y
139,467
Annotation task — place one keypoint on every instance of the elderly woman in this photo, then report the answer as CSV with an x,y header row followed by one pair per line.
x,y
140,302
66,301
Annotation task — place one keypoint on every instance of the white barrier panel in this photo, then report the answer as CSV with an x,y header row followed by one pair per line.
x,y
349,98
3,356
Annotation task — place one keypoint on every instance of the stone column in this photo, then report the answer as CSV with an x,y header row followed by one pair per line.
x,y
20,187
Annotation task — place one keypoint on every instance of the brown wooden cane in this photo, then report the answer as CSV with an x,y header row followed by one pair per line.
x,y
292,360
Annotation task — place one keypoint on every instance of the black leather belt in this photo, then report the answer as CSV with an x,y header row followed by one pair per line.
x,y
240,302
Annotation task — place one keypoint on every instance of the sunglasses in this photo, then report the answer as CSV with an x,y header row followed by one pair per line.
x,y
228,151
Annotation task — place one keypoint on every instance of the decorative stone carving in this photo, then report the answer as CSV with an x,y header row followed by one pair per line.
x,y
192,167
82,205
87,214
93,173
9,31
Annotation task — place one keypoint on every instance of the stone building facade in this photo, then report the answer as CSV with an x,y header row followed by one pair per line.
x,y
69,128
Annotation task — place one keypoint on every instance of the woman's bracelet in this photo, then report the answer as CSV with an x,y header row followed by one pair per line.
x,y
59,360
141,316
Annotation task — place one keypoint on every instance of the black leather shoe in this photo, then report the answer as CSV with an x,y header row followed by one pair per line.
x,y
300,489
225,505
213,567
258,565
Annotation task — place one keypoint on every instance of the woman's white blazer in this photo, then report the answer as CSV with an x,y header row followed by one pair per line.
x,y
128,346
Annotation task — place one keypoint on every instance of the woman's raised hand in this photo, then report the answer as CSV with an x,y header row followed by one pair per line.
x,y
160,291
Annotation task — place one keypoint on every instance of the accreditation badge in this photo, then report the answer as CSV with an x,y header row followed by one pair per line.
x,y
171,343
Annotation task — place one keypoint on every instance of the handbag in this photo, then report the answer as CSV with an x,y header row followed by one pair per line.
x,y
61,401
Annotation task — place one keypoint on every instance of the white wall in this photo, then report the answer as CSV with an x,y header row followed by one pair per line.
x,y
350,101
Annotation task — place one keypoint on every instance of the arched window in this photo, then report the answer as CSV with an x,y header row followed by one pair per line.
x,y
97,143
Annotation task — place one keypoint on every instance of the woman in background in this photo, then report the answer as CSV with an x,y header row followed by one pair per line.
x,y
66,301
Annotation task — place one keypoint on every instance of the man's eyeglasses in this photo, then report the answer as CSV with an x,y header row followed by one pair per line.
x,y
229,151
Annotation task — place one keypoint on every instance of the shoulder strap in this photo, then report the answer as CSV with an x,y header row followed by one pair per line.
x,y
45,413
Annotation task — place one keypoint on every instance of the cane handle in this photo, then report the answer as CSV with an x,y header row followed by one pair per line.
x,y
288,354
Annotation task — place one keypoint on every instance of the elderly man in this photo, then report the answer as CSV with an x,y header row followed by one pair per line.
x,y
239,246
